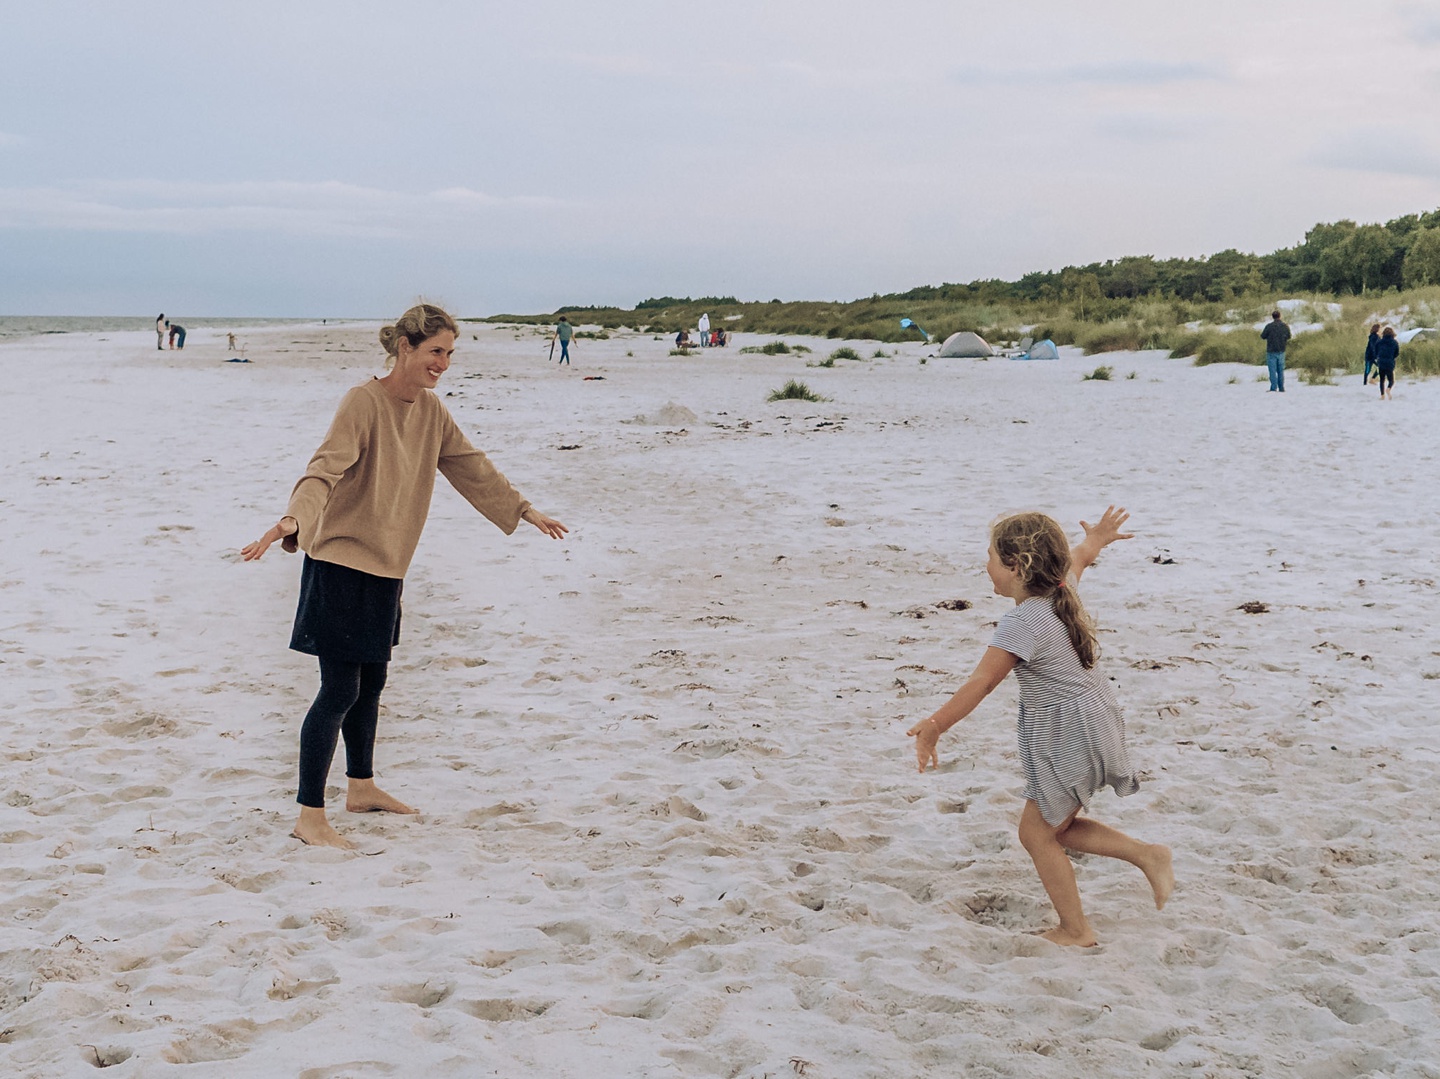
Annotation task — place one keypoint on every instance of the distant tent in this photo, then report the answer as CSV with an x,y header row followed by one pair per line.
x,y
1040,350
966,343
1422,333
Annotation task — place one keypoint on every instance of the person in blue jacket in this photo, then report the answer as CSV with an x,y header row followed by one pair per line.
x,y
1387,351
1370,351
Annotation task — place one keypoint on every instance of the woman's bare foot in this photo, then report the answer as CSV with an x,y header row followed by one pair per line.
x,y
313,829
1159,872
362,796
1062,936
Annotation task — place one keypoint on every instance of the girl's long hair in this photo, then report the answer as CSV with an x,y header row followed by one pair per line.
x,y
1035,546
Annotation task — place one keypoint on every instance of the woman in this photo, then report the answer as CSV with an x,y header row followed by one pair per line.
x,y
1386,353
1370,352
357,513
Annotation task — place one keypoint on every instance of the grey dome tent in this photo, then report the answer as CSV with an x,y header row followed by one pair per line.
x,y
966,343
1040,350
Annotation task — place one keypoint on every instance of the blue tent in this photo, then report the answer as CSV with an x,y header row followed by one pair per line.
x,y
1040,350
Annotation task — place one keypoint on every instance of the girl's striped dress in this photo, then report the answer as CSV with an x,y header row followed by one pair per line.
x,y
1071,732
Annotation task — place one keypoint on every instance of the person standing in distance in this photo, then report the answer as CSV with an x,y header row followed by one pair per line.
x,y
358,513
563,332
1370,352
1387,351
704,331
1276,335
160,325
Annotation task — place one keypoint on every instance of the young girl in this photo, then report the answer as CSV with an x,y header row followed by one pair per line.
x,y
358,512
1072,736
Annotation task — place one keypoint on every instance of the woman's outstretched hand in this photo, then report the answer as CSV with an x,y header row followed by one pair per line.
x,y
1108,530
926,736
551,527
286,528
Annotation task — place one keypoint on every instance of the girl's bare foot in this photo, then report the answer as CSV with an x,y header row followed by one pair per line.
x,y
1062,936
1159,872
362,796
313,829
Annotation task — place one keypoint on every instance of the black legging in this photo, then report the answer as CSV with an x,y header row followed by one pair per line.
x,y
348,703
1386,373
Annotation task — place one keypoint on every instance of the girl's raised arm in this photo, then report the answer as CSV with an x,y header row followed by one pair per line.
x,y
1098,537
994,665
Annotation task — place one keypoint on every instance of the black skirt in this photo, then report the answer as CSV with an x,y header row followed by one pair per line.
x,y
346,613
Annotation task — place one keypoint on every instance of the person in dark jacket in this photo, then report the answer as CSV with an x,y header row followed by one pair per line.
x,y
1387,351
1370,351
1276,335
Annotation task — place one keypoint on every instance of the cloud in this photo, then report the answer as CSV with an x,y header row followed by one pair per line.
x,y
1117,73
1147,127
1138,73
1424,25
323,209
1391,151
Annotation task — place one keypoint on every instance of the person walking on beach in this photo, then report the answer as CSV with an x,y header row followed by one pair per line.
x,y
704,328
1387,351
160,326
358,512
1370,352
1276,335
1071,732
563,332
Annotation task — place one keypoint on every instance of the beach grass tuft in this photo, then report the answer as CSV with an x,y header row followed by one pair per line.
x,y
795,391
769,348
845,352
1100,374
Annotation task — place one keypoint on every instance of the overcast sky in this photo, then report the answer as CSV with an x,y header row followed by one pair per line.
x,y
311,157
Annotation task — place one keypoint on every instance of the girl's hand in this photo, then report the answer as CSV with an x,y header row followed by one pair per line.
x,y
282,531
551,527
927,736
1108,530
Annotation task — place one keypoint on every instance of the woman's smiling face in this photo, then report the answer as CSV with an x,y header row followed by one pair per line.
x,y
420,366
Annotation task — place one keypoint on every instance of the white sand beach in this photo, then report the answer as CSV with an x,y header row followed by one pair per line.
x,y
671,824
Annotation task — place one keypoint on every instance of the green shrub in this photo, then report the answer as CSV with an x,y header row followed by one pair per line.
x,y
879,354
1421,358
845,352
1187,344
828,361
771,348
795,391
682,352
1337,348
1100,374
1110,337
1230,348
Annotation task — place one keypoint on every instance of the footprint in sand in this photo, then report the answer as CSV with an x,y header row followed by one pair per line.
x,y
424,995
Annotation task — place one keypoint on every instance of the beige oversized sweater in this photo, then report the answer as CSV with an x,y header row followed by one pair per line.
x,y
364,498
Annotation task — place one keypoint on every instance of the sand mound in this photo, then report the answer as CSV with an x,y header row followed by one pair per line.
x,y
668,415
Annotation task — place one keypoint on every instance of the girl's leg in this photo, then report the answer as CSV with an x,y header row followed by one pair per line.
x,y
1152,859
1057,875
362,795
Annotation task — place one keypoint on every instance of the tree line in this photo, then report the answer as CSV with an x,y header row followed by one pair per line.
x,y
1338,257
